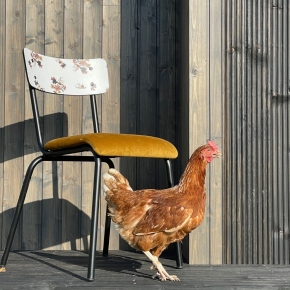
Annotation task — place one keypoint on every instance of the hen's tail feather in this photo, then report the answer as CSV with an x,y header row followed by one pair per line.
x,y
113,180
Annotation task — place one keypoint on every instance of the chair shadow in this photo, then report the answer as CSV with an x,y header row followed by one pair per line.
x,y
112,263
50,222
10,140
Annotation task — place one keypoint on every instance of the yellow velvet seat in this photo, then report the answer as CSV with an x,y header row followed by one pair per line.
x,y
80,77
121,145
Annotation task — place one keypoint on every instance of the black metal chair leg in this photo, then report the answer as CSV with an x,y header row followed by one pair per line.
x,y
107,234
19,209
179,261
94,221
107,223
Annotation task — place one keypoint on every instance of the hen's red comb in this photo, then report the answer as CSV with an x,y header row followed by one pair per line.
x,y
213,145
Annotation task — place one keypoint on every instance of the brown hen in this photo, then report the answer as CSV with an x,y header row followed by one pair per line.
x,y
150,219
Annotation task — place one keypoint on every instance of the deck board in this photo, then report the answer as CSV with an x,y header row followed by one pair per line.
x,y
129,270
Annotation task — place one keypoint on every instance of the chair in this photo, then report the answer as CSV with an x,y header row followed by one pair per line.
x,y
83,77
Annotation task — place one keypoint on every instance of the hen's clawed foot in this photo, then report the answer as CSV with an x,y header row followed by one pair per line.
x,y
162,274
165,277
2,269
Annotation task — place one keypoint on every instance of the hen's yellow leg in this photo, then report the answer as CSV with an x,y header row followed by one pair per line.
x,y
163,275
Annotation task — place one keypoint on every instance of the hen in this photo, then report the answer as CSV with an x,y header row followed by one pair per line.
x,y
149,220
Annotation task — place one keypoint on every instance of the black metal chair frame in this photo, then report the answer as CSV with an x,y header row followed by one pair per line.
x,y
64,155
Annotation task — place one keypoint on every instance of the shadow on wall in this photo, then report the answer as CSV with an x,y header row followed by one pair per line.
x,y
42,221
55,126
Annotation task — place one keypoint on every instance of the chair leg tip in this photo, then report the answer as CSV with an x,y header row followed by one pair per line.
x,y
2,269
90,279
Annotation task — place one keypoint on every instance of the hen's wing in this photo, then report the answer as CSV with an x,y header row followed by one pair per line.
x,y
167,213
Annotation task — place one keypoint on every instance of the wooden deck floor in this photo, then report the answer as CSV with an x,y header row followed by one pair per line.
x,y
127,270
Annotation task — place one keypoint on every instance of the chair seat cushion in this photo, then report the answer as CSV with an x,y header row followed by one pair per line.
x,y
117,145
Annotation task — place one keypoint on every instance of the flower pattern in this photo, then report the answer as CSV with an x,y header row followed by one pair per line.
x,y
60,62
35,59
80,86
82,64
93,86
66,76
37,84
58,86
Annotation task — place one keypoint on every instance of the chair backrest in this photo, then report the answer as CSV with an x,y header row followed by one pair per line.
x,y
66,76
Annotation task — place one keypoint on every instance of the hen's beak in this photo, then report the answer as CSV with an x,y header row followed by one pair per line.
x,y
217,154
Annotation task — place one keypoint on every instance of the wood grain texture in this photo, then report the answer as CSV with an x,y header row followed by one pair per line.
x,y
167,34
71,191
201,105
2,108
147,87
111,100
183,99
129,76
216,112
31,235
92,48
53,127
14,114
129,81
124,270
198,114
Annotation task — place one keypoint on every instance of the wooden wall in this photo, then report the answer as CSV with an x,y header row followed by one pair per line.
x,y
166,79
138,40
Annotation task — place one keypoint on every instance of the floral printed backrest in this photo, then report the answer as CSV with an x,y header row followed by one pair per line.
x,y
66,76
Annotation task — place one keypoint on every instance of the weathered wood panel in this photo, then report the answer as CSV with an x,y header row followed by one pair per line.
x,y
59,193
92,47
124,270
14,113
257,188
55,126
148,83
216,130
201,119
147,86
111,102
71,191
31,237
2,109
199,240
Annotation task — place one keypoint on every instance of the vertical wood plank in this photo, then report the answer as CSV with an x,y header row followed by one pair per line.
x,y
198,118
54,126
92,48
215,111
183,100
111,100
31,234
71,195
166,78
14,113
147,96
2,102
129,86
129,80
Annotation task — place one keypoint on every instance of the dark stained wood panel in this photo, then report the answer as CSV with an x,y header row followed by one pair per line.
x,y
257,161
124,270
